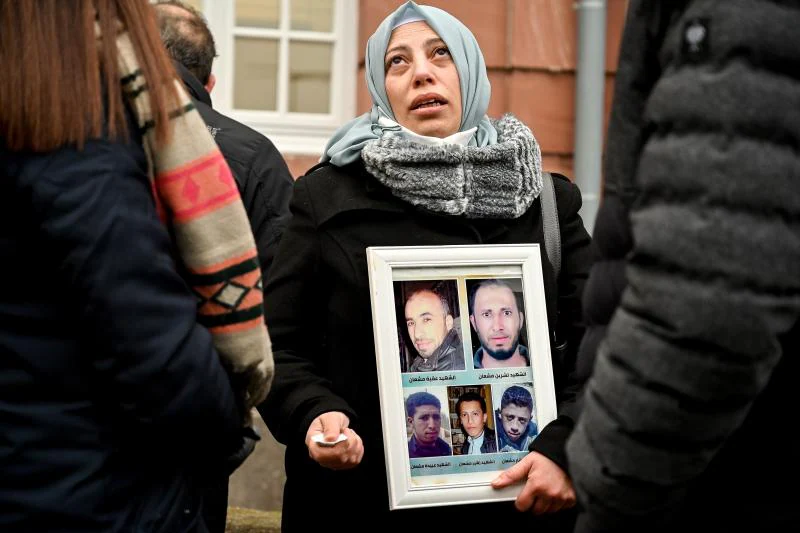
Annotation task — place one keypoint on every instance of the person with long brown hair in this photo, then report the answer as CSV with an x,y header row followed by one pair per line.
x,y
132,300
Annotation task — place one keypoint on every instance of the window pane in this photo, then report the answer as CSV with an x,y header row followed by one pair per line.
x,y
309,77
197,4
255,78
258,13
312,15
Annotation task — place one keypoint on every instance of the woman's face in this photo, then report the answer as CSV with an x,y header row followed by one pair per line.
x,y
422,81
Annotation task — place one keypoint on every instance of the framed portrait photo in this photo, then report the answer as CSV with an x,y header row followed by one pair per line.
x,y
464,367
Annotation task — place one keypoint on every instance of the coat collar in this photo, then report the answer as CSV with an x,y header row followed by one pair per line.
x,y
193,85
351,188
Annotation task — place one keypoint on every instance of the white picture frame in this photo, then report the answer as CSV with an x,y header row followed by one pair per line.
x,y
457,478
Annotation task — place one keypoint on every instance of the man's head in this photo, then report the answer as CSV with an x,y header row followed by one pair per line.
x,y
471,409
428,320
516,407
185,34
495,315
425,416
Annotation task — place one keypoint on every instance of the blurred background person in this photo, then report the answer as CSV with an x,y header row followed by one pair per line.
x,y
688,414
261,175
260,171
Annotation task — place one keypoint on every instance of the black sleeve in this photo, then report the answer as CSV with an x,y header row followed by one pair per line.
x,y
639,68
97,219
266,193
611,243
576,260
294,295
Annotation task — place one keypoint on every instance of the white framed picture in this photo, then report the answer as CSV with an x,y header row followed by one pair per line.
x,y
464,367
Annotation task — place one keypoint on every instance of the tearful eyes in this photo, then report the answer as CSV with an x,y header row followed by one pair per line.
x,y
392,62
399,59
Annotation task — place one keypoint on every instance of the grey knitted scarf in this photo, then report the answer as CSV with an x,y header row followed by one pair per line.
x,y
496,181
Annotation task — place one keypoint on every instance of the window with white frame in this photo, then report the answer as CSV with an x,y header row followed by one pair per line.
x,y
287,68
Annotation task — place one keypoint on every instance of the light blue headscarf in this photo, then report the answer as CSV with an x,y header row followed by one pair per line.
x,y
346,144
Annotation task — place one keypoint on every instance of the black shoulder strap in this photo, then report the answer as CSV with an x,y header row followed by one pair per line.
x,y
552,233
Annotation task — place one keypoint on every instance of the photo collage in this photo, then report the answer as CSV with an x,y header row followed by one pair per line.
x,y
470,403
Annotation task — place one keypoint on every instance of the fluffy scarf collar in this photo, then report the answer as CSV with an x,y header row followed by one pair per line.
x,y
497,181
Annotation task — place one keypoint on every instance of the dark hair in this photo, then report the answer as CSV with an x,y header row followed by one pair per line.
x,y
470,397
488,283
62,86
436,293
517,395
421,398
186,37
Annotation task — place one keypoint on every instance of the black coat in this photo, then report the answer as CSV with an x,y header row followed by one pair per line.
x,y
319,314
692,309
261,174
113,400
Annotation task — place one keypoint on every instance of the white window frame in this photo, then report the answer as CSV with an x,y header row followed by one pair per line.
x,y
292,133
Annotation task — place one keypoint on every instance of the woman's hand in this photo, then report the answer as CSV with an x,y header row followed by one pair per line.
x,y
547,488
324,446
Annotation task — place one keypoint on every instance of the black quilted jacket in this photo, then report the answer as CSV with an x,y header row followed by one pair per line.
x,y
689,414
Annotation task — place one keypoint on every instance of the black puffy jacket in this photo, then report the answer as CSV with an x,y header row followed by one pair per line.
x,y
688,419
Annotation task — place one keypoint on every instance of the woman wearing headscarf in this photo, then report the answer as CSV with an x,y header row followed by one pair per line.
x,y
395,177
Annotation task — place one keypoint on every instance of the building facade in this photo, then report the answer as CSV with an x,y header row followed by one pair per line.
x,y
294,69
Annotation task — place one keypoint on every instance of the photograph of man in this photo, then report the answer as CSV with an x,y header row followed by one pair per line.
x,y
497,318
516,427
424,411
432,329
473,415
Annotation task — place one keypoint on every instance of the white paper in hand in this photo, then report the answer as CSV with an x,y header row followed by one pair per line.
x,y
319,438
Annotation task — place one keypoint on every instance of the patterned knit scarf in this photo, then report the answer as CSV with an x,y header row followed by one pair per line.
x,y
198,200
497,181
